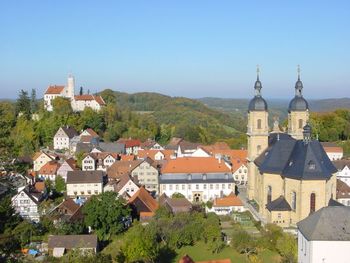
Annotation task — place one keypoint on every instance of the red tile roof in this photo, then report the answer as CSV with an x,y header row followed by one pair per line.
x,y
130,142
195,165
125,157
54,89
230,200
145,197
49,168
87,97
39,186
119,168
237,163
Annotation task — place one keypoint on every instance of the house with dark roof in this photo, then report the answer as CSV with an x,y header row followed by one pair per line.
x,y
59,245
290,174
324,236
84,183
343,167
175,205
63,138
125,186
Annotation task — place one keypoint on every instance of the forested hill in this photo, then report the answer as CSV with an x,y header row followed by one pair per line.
x,y
180,112
277,107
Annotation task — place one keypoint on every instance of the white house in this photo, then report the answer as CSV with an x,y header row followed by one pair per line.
x,y
146,173
343,193
333,151
343,167
98,161
66,166
324,236
49,171
40,159
125,185
131,146
78,102
197,178
26,204
240,171
63,137
226,205
84,183
150,144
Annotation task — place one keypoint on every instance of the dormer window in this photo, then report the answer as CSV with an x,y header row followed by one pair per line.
x,y
226,176
290,163
312,165
189,177
204,176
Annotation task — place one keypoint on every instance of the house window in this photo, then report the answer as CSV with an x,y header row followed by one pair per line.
x,y
183,187
204,186
259,124
294,200
312,165
189,187
170,187
197,186
312,202
177,187
217,186
211,187
223,186
269,194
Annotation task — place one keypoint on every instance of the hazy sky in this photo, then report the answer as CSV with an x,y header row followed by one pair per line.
x,y
181,48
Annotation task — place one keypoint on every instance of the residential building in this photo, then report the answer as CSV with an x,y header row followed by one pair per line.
x,y
227,204
78,103
63,137
120,168
98,161
40,159
151,145
324,236
333,151
49,171
291,171
131,145
343,167
240,171
26,203
84,184
143,205
124,185
146,174
199,179
67,211
89,136
175,205
156,155
61,244
66,166
343,193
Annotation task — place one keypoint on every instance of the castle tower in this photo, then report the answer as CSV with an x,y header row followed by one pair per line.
x,y
70,89
258,131
298,111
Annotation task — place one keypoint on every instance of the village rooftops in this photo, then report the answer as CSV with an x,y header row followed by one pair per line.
x,y
193,178
130,142
343,190
330,223
70,131
76,177
120,168
195,165
145,197
90,97
230,200
340,164
331,147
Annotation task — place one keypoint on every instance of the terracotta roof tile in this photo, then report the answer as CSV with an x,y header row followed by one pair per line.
x,y
130,142
119,168
144,196
39,186
90,97
70,205
343,190
230,200
49,168
125,157
54,89
195,165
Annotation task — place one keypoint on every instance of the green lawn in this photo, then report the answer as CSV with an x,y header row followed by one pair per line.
x,y
199,252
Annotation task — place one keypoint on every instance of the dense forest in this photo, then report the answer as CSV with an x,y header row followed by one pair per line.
x,y
25,126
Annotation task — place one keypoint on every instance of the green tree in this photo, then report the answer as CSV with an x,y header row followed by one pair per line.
x,y
24,137
177,195
243,243
8,218
81,91
33,102
140,245
23,104
24,232
62,107
287,247
60,185
104,213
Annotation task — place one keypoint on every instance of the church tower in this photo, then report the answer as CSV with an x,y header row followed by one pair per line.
x,y
70,87
298,111
258,131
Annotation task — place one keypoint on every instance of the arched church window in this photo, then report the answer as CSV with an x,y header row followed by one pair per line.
x,y
259,124
312,202
300,124
294,200
269,194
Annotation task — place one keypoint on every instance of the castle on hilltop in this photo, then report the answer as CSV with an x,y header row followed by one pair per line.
x,y
290,174
78,102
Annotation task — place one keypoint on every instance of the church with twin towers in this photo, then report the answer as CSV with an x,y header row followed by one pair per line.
x,y
290,174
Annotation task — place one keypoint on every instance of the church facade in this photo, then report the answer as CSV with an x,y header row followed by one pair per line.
x,y
290,175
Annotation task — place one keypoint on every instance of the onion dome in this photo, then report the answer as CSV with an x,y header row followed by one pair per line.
x,y
298,103
257,103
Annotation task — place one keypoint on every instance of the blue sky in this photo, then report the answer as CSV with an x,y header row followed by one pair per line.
x,y
180,48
